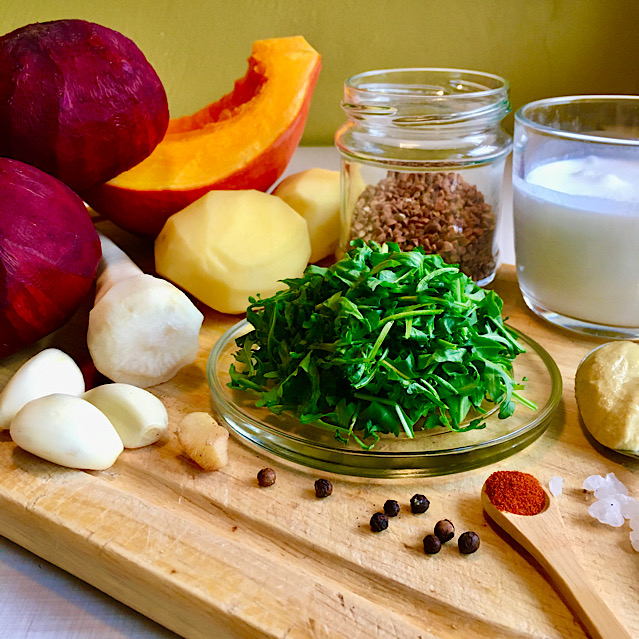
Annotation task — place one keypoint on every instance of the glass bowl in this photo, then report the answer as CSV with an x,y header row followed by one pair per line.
x,y
432,452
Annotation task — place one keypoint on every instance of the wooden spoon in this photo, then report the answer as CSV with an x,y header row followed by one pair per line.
x,y
544,537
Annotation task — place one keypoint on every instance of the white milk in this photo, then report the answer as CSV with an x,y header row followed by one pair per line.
x,y
577,238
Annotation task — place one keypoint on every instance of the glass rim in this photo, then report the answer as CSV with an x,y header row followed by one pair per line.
x,y
334,457
523,119
426,96
503,85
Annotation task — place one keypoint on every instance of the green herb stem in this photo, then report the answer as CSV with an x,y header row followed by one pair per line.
x,y
377,343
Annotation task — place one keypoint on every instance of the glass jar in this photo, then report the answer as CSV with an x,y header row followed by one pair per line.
x,y
423,155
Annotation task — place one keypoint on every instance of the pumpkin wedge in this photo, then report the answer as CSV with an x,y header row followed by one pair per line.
x,y
243,141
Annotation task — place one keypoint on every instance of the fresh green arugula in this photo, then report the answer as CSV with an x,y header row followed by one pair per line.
x,y
382,341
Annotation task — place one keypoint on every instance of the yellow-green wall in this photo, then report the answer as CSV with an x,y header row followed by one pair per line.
x,y
199,47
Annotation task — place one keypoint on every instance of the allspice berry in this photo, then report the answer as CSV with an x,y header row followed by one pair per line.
x,y
432,544
419,504
323,488
379,522
444,530
266,477
391,508
468,542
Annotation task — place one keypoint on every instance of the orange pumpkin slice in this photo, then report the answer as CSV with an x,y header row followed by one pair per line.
x,y
243,141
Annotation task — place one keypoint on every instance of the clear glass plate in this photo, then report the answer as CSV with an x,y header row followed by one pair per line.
x,y
433,452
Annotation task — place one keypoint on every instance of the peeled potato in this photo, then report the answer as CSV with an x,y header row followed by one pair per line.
x,y
607,393
230,245
315,195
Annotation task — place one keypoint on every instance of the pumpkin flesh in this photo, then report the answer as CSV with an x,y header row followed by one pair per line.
x,y
243,141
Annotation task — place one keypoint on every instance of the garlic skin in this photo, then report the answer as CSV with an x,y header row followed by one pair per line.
x,y
67,430
137,415
50,371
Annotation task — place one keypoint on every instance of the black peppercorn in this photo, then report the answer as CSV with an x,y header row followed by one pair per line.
x,y
444,530
468,542
419,504
432,544
266,477
391,508
379,522
323,488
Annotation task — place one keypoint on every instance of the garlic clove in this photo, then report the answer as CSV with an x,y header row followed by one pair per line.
x,y
138,416
67,430
50,371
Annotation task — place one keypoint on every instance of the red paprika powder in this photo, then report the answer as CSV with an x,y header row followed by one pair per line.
x,y
515,492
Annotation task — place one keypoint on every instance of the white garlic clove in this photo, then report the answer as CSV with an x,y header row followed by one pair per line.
x,y
50,371
67,430
138,416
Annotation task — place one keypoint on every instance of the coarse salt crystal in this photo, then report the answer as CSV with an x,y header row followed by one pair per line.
x,y
611,486
613,505
556,485
607,511
593,482
629,506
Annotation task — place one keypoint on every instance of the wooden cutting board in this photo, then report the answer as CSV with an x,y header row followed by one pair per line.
x,y
214,555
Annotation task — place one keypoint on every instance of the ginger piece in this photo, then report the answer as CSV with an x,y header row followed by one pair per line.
x,y
203,440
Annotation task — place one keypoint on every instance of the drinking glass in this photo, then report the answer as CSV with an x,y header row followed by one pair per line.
x,y
576,212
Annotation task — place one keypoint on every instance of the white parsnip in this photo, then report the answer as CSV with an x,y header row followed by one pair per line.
x,y
204,440
114,267
50,371
138,416
142,329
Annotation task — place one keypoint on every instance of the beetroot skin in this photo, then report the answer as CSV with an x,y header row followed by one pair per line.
x,y
79,101
49,254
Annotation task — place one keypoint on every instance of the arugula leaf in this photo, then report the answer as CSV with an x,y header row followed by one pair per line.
x,y
382,341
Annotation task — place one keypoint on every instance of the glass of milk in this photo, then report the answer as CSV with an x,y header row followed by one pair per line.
x,y
576,212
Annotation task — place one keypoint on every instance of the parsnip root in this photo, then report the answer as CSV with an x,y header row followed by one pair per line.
x,y
142,329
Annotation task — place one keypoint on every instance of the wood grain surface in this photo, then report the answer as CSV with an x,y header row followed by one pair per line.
x,y
214,555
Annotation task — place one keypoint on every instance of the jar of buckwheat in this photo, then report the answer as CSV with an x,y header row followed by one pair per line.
x,y
423,155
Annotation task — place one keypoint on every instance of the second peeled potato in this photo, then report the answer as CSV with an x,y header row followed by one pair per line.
x,y
315,195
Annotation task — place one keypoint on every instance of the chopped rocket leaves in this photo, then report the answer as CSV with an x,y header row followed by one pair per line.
x,y
382,341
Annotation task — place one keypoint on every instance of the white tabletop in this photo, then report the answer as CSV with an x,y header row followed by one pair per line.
x,y
38,600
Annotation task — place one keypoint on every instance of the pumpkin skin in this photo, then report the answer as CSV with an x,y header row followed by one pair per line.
x,y
243,141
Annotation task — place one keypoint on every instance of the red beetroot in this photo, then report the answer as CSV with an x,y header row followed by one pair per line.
x,y
78,100
49,254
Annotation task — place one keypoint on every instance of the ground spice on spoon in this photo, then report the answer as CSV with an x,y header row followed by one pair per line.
x,y
515,492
